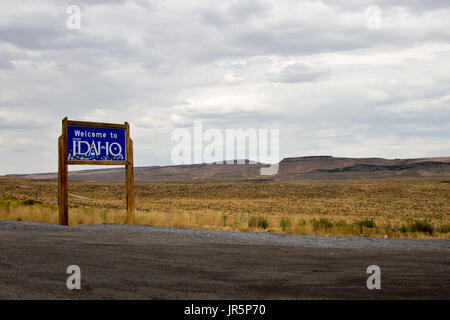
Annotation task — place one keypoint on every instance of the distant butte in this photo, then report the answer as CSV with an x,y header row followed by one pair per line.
x,y
310,169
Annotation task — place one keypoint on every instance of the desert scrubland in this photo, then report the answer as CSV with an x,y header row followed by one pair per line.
x,y
410,210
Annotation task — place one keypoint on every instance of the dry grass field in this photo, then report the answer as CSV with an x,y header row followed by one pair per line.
x,y
375,210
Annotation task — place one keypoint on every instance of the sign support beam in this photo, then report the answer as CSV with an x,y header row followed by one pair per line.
x,y
63,179
129,177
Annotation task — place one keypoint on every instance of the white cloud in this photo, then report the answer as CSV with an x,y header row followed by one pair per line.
x,y
310,68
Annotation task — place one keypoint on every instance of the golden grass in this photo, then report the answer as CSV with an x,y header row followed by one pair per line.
x,y
322,209
213,220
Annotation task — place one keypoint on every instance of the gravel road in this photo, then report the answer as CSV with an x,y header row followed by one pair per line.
x,y
141,262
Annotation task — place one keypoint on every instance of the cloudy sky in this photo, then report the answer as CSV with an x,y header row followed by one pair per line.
x,y
332,80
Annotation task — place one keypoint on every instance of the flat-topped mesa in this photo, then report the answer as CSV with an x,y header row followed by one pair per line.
x,y
294,159
311,163
322,169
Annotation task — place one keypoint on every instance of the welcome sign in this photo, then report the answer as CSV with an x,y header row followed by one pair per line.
x,y
96,143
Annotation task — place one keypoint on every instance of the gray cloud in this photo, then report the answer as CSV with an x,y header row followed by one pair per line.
x,y
298,72
310,68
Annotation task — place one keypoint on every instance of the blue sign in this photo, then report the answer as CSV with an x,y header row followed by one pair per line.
x,y
96,143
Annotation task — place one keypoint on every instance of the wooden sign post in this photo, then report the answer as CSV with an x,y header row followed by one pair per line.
x,y
94,143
